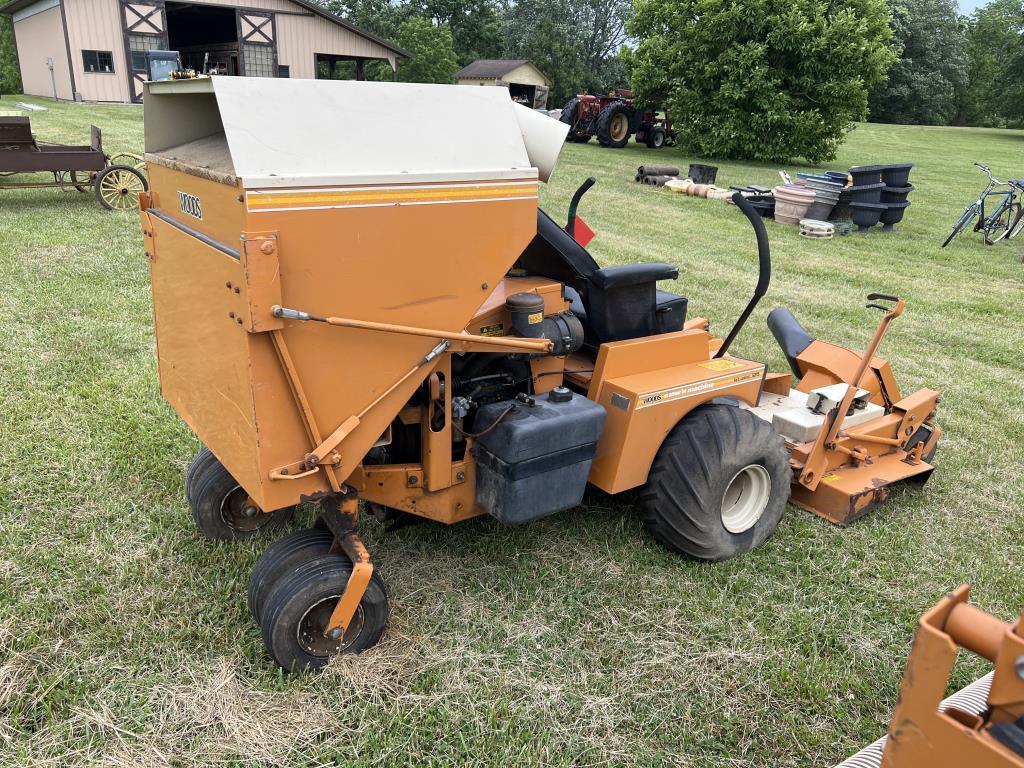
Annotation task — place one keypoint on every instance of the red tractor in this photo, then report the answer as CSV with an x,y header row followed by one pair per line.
x,y
613,119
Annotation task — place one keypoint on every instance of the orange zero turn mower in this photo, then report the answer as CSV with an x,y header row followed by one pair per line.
x,y
346,312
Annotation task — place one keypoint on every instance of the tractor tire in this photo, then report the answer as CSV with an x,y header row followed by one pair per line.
x,y
613,126
718,485
218,503
298,608
656,137
282,557
568,116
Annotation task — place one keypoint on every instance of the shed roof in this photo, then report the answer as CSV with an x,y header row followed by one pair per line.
x,y
487,68
16,5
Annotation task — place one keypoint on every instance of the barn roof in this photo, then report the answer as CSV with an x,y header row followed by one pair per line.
x,y
16,5
486,68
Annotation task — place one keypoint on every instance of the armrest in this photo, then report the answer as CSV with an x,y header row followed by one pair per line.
x,y
633,274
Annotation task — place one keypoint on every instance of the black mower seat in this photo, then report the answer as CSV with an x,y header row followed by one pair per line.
x,y
665,303
792,337
617,303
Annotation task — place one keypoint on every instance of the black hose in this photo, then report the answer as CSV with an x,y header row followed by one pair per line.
x,y
764,259
570,225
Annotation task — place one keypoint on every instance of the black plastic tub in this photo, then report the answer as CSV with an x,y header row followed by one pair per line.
x,y
896,194
866,174
866,215
703,174
842,209
897,175
866,193
893,214
763,204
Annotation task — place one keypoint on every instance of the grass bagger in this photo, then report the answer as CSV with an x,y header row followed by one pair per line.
x,y
346,312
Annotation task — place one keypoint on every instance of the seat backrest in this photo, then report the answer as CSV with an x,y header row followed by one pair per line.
x,y
554,253
16,133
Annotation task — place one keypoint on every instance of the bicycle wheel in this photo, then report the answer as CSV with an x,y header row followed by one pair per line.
x,y
1017,226
970,214
998,224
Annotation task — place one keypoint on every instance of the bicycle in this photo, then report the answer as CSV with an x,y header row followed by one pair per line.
x,y
1006,220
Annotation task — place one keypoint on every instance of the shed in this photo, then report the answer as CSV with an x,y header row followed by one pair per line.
x,y
526,83
95,50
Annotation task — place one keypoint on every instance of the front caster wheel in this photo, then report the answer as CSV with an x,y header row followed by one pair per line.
x,y
718,485
221,508
299,606
282,557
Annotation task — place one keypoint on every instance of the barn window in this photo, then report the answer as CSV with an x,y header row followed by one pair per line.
x,y
139,44
259,60
98,61
283,70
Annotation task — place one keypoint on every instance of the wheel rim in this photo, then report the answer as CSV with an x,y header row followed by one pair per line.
x,y
120,189
619,127
746,498
240,514
310,631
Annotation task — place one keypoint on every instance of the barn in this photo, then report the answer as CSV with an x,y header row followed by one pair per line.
x,y
525,82
95,50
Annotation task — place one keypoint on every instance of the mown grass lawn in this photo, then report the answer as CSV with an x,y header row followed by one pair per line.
x,y
124,637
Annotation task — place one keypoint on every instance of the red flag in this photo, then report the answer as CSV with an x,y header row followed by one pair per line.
x,y
583,233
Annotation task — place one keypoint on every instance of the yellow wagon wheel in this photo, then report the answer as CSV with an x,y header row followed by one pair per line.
x,y
129,158
118,187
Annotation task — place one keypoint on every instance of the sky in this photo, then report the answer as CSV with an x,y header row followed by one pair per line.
x,y
967,6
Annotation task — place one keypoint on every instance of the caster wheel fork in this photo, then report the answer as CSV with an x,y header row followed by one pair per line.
x,y
329,604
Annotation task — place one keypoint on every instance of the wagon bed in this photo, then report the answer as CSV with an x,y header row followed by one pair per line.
x,y
116,186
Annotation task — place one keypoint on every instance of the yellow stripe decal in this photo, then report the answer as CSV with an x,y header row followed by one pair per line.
x,y
370,196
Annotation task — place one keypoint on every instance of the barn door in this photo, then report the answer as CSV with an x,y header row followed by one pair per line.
x,y
144,23
257,44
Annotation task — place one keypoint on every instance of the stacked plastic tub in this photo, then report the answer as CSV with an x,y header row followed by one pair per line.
x,y
792,202
879,193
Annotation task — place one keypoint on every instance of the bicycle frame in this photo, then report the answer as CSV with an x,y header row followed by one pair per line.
x,y
987,221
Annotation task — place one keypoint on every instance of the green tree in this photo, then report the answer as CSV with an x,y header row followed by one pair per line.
x,y
995,49
475,26
765,80
434,52
10,78
924,84
574,42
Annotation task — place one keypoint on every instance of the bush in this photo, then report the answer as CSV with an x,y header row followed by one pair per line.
x,y
764,80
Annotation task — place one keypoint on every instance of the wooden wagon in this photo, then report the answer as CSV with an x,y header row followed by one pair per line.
x,y
117,185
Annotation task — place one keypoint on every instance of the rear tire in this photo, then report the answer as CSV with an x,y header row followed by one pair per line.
x,y
1018,224
999,226
298,607
718,485
218,503
965,218
282,557
613,126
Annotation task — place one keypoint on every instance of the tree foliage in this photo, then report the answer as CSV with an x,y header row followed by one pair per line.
x,y
761,79
435,60
925,82
10,78
994,94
